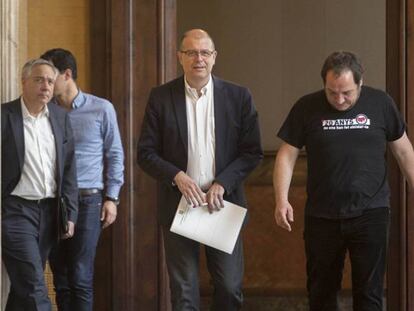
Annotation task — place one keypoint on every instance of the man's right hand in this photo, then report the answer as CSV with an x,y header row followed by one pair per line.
x,y
190,190
284,215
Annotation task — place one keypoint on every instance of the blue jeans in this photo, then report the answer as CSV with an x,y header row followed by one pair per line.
x,y
72,261
326,241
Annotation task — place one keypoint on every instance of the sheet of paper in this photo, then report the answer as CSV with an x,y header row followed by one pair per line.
x,y
219,229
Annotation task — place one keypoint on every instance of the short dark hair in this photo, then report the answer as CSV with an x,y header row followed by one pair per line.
x,y
62,59
343,61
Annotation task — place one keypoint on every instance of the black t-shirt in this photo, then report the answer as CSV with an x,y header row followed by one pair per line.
x,y
347,170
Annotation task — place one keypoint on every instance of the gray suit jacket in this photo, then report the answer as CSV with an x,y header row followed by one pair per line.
x,y
12,155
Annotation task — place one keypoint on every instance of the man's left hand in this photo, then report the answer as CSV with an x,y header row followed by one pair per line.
x,y
71,230
108,214
214,197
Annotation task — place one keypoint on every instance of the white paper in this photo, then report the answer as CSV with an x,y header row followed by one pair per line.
x,y
219,229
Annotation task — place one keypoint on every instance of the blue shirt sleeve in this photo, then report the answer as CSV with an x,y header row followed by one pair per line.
x,y
113,152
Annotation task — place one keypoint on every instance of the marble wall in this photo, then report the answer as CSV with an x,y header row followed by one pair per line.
x,y
9,82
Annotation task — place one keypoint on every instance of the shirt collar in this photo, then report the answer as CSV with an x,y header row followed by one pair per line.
x,y
26,114
79,100
193,92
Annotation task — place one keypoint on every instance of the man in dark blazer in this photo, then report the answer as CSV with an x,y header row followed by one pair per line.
x,y
38,168
200,139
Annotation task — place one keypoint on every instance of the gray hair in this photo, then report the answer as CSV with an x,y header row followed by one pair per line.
x,y
27,68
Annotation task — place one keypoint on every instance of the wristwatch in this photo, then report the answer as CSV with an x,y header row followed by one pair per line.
x,y
113,199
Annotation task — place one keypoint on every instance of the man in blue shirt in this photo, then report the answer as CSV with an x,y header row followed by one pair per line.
x,y
98,149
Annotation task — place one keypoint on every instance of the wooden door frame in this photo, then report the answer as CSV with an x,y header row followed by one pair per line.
x,y
409,91
400,84
131,51
395,77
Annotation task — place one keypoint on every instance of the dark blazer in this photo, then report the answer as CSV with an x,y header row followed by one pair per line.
x,y
12,155
163,144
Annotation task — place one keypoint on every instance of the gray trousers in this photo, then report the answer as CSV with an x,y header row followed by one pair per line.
x,y
226,271
28,233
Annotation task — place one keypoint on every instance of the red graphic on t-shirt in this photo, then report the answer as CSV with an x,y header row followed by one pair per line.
x,y
361,119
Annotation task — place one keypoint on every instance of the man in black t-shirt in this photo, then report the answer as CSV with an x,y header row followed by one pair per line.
x,y
345,129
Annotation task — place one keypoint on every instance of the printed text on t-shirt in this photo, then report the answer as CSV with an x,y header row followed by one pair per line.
x,y
361,121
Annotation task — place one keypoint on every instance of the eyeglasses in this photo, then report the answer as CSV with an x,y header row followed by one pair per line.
x,y
195,53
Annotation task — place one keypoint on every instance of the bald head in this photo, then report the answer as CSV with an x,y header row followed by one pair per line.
x,y
197,56
196,34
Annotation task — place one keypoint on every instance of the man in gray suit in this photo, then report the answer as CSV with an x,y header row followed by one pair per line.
x,y
38,168
200,139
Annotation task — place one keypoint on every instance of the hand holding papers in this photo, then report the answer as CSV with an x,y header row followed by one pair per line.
x,y
219,229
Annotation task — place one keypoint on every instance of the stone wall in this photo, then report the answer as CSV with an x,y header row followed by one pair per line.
x,y
9,85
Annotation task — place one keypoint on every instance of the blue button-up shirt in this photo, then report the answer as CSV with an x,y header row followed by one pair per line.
x,y
97,144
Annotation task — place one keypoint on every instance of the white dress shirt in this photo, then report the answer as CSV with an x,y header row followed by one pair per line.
x,y
201,134
38,179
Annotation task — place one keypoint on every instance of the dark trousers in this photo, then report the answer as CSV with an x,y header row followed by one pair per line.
x,y
326,242
72,261
28,234
182,256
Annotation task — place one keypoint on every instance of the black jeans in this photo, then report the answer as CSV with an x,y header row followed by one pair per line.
x,y
326,241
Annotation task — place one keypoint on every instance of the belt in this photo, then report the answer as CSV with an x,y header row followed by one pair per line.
x,y
90,191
